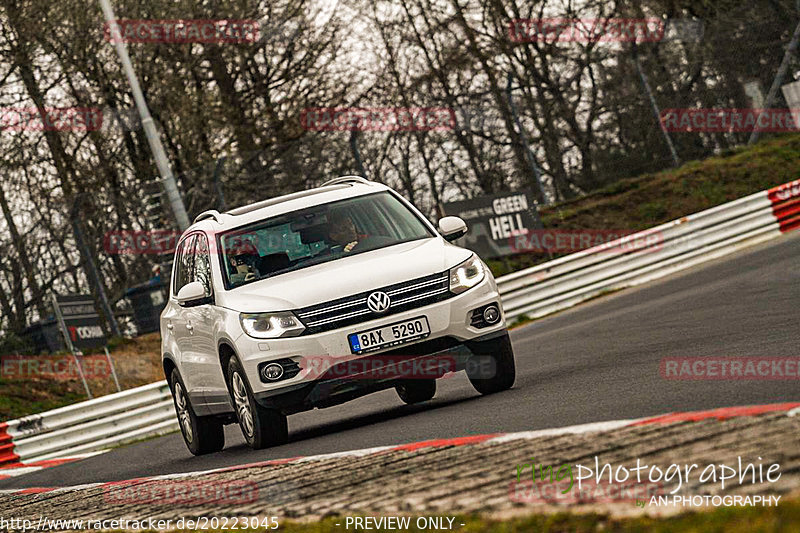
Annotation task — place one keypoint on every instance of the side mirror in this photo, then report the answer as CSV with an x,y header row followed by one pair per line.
x,y
192,294
452,228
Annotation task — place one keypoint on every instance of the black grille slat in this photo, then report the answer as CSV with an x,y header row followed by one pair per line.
x,y
353,309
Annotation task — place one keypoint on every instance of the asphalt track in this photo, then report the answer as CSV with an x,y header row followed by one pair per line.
x,y
596,362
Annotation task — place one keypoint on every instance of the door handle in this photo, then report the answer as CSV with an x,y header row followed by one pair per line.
x,y
190,327
170,327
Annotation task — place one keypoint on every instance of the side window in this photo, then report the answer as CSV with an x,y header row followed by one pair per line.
x,y
185,262
202,263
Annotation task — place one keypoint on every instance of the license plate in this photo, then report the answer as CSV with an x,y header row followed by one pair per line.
x,y
392,335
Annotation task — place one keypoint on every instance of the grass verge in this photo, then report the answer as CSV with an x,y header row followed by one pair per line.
x,y
651,199
136,361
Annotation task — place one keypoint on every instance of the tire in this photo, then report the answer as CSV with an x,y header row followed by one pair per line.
x,y
261,427
491,368
202,434
416,390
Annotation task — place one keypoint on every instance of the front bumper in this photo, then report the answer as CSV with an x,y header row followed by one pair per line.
x,y
316,354
430,359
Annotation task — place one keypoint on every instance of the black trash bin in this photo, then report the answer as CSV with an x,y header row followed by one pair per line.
x,y
147,301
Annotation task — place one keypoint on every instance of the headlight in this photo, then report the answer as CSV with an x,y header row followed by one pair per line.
x,y
271,325
467,275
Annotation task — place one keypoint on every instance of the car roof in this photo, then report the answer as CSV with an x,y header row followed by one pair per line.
x,y
337,189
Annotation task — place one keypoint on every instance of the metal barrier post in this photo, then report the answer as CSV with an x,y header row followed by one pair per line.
x,y
111,365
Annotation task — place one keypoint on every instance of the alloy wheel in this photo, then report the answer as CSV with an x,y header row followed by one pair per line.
x,y
242,404
184,418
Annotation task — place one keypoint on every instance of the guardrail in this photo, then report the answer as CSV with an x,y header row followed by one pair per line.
x,y
651,254
146,411
88,426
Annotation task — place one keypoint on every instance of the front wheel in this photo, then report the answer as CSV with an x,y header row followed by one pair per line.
x,y
416,390
491,368
261,427
202,434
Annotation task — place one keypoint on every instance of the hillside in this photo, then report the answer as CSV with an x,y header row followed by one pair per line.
x,y
651,199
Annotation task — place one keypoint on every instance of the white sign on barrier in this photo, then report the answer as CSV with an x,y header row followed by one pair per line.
x,y
791,93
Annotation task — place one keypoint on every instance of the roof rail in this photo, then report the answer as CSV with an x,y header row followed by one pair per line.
x,y
211,213
347,179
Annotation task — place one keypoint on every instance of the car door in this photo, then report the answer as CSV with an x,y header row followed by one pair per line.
x,y
201,320
174,335
177,321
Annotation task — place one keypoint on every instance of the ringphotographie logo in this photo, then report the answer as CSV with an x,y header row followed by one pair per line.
x,y
181,31
180,492
730,368
719,120
378,119
643,484
51,119
575,240
56,367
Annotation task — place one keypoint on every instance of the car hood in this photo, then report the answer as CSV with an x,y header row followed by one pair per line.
x,y
345,276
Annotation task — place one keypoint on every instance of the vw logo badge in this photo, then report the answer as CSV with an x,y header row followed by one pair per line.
x,y
378,302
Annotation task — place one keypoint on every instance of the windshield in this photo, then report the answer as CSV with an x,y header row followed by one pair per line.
x,y
317,235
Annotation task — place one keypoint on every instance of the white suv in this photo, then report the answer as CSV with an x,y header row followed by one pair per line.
x,y
319,297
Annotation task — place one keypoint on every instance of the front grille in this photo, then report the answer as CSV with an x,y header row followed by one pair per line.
x,y
353,309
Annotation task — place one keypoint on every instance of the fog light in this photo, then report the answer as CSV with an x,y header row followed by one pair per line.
x,y
272,371
491,314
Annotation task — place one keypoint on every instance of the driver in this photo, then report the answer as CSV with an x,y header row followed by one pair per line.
x,y
342,231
